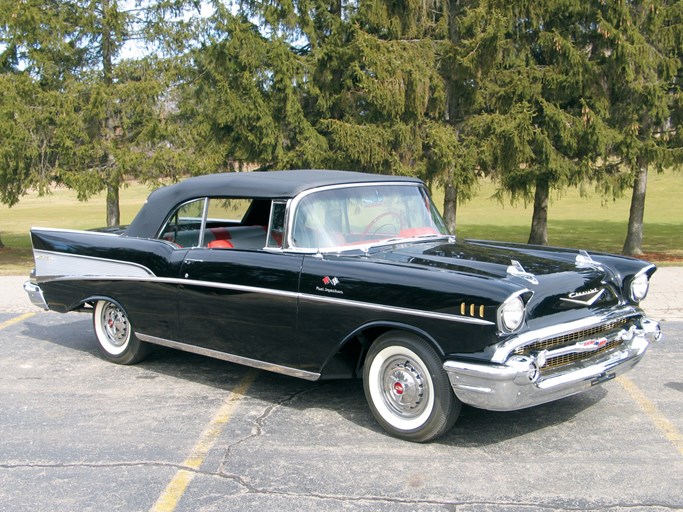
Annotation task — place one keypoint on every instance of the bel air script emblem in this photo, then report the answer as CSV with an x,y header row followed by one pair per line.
x,y
586,298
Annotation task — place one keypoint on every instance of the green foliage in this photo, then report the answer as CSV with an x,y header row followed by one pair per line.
x,y
24,146
534,91
537,95
74,111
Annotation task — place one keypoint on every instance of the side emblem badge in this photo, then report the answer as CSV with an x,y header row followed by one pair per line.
x,y
330,286
327,280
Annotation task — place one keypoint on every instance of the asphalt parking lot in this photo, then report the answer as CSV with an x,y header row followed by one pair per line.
x,y
187,433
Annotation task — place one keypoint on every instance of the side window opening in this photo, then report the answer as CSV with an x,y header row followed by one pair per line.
x,y
236,223
276,227
223,223
184,226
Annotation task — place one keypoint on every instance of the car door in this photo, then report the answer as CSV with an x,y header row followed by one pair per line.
x,y
241,302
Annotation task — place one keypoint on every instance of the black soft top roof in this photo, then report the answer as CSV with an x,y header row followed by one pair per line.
x,y
258,185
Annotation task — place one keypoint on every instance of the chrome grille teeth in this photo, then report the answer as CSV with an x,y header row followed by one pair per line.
x,y
571,338
555,362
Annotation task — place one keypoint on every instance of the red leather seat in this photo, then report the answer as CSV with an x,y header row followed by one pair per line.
x,y
220,244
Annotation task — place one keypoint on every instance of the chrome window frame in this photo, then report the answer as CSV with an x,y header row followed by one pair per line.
x,y
294,204
273,204
205,209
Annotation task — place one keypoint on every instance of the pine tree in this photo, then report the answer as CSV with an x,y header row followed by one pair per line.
x,y
640,44
539,107
249,94
99,117
389,95
359,86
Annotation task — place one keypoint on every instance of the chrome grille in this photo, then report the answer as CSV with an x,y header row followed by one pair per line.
x,y
555,362
603,330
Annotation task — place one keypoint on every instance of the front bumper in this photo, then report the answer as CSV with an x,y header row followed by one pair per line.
x,y
35,294
518,383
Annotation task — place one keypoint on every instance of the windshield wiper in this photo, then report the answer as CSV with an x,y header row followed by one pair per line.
x,y
392,241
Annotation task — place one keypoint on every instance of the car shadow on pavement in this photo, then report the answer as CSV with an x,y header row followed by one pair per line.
x,y
477,427
474,427
343,398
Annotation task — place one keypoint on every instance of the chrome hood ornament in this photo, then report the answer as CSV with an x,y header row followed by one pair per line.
x,y
517,270
584,260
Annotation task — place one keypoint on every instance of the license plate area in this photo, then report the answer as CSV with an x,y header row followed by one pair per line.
x,y
604,377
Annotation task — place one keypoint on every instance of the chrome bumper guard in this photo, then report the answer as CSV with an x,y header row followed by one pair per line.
x,y
518,383
35,294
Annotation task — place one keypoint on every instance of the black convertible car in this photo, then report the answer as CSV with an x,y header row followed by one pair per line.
x,y
332,274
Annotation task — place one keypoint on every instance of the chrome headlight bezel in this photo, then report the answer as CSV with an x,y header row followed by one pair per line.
x,y
512,313
639,286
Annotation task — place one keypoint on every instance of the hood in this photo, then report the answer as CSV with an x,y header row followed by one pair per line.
x,y
558,283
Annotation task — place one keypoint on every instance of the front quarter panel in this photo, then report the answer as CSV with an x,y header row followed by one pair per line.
x,y
340,295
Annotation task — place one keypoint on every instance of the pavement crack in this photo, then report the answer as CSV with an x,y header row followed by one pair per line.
x,y
257,431
66,465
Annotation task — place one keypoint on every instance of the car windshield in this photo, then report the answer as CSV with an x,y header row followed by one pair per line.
x,y
347,217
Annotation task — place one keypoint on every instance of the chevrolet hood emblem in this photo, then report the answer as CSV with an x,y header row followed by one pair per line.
x,y
585,298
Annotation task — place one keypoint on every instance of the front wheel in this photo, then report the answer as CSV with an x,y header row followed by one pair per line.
x,y
115,338
407,388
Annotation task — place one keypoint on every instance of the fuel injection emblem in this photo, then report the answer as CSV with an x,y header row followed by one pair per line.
x,y
330,284
586,298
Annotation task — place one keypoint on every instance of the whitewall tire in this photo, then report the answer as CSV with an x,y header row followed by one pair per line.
x,y
116,340
407,388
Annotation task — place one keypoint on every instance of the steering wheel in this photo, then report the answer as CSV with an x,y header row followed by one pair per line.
x,y
390,214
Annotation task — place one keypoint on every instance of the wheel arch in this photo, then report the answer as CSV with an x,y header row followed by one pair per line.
x,y
88,304
347,360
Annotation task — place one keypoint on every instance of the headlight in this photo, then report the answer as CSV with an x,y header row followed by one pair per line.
x,y
639,287
511,314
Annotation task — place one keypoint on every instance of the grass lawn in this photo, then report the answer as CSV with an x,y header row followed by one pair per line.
x,y
584,222
574,221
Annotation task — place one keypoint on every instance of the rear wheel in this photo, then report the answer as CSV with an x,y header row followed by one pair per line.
x,y
407,388
115,338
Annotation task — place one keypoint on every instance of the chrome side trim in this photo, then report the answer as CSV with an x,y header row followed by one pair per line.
x,y
52,263
293,295
246,361
82,231
552,331
231,287
399,310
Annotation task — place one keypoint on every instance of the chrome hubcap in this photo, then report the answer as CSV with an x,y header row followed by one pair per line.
x,y
405,390
115,324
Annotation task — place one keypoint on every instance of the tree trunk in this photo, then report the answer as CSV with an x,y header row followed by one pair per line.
x,y
113,181
450,201
633,246
539,222
113,211
1,244
450,206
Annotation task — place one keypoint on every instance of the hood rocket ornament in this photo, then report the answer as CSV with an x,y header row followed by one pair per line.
x,y
517,270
